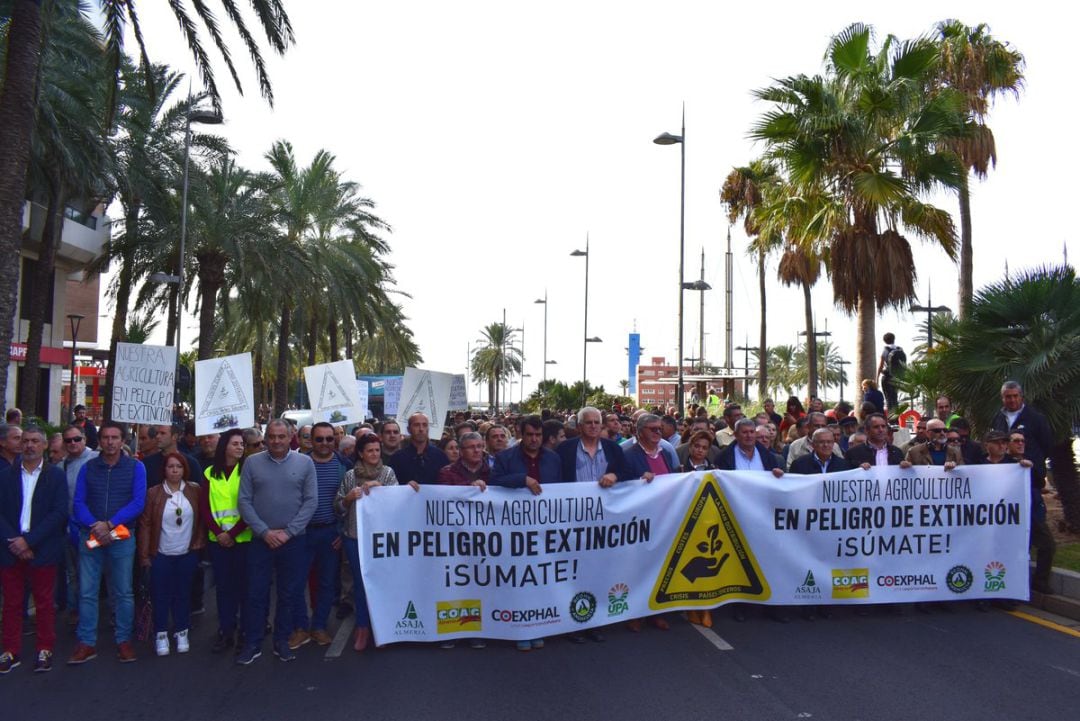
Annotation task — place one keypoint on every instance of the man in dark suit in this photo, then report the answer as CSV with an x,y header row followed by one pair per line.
x,y
821,458
528,464
1016,416
590,458
646,459
33,515
877,451
746,454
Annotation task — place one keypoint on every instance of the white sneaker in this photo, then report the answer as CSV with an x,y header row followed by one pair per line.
x,y
161,644
182,645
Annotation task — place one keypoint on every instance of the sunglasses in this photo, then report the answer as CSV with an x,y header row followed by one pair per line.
x,y
179,516
74,439
256,444
323,439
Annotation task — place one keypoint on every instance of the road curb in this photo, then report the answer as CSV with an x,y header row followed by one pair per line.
x,y
1065,599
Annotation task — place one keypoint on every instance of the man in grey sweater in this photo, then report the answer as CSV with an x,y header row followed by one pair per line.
x,y
278,496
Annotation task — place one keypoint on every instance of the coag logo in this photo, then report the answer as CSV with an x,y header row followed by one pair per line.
x,y
959,579
851,583
995,576
409,624
455,616
582,606
616,599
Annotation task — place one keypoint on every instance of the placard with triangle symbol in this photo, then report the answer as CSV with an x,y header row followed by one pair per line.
x,y
709,561
332,395
226,395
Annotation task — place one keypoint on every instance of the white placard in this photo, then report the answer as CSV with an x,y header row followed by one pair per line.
x,y
362,393
144,383
425,392
507,564
333,393
391,395
224,394
459,394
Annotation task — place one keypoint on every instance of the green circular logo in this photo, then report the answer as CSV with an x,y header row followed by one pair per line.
x,y
582,607
959,579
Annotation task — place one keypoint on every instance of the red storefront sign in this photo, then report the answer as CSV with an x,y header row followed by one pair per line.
x,y
50,356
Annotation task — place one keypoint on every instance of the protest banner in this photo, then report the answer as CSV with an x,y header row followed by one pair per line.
x,y
224,394
362,392
391,396
453,562
459,394
333,393
144,383
425,392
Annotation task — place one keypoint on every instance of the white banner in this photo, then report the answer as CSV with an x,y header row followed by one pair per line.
x,y
459,394
425,392
333,393
391,396
452,562
224,394
362,392
143,384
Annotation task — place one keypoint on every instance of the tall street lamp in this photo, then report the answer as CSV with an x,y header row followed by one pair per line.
x,y
820,334
544,302
842,363
701,286
746,369
669,139
585,331
76,320
930,310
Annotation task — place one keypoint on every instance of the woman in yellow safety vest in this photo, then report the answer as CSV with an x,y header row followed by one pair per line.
x,y
229,535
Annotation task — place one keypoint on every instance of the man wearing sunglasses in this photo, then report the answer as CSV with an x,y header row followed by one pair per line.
x,y
936,451
77,456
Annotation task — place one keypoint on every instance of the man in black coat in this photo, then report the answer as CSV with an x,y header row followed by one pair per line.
x,y
877,451
33,515
591,457
821,458
746,454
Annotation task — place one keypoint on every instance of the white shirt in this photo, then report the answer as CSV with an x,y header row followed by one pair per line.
x,y
1011,416
176,539
742,463
29,483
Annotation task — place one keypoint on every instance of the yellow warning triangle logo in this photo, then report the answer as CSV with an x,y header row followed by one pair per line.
x,y
709,561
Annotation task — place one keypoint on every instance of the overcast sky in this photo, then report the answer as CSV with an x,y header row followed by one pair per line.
x,y
495,136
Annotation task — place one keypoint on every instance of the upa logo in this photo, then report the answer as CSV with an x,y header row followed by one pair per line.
x,y
959,579
455,616
409,624
616,600
808,588
851,583
995,576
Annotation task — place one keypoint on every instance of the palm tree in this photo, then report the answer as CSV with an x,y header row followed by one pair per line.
x,y
979,68
828,366
868,137
624,385
140,327
1027,330
19,97
495,359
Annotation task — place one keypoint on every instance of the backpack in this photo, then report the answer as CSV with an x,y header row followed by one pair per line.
x,y
896,361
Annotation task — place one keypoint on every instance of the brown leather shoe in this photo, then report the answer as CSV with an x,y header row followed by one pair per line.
x,y
125,652
634,625
83,653
321,637
363,635
298,638
660,622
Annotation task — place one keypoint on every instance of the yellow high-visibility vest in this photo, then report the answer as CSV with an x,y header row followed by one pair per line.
x,y
224,494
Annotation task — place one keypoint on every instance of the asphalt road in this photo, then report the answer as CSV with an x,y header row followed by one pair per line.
x,y
946,665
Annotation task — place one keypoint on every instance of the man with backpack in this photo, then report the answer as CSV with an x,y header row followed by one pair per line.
x,y
893,361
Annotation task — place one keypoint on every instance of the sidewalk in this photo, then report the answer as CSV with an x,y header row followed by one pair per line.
x,y
1066,598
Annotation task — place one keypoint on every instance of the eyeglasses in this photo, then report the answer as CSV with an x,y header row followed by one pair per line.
x,y
74,439
938,430
256,444
955,441
305,436
1017,440
323,439
654,429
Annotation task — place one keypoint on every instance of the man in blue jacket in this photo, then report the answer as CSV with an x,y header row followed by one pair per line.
x,y
746,454
528,464
109,492
33,512
590,458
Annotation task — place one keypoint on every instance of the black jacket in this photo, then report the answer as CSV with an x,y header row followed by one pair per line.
x,y
48,514
807,465
726,461
616,459
866,454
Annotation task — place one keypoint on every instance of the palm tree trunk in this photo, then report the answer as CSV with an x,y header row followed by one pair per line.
x,y
170,324
281,380
811,342
864,341
763,348
124,282
966,261
17,103
332,330
1063,462
40,289
312,344
208,291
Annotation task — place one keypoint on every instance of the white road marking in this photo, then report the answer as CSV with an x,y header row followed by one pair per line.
x,y
712,638
341,638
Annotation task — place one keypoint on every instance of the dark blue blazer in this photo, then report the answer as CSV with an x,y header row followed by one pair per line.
x,y
616,459
726,461
807,465
638,464
48,515
510,468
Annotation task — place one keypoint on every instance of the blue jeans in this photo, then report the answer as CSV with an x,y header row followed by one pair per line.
x,y
318,550
264,564
118,557
352,551
170,589
230,565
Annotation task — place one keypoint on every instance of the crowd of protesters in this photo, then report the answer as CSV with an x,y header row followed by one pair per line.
x,y
272,507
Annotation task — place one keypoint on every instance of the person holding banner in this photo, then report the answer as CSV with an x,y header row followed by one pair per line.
x,y
697,453
419,460
357,483
936,452
646,458
229,535
877,451
746,454
822,458
590,458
